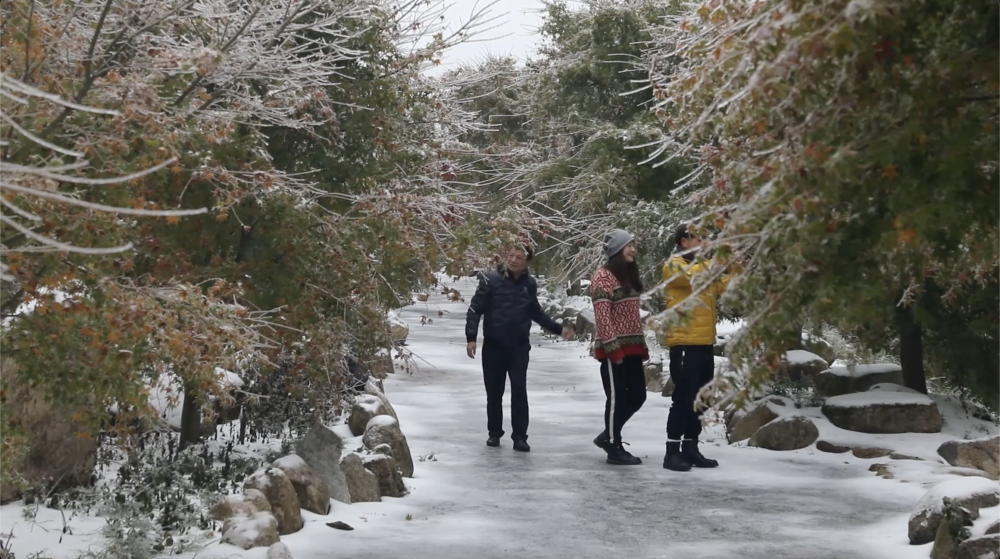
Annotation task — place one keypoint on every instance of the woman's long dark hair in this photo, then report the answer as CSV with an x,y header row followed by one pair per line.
x,y
627,273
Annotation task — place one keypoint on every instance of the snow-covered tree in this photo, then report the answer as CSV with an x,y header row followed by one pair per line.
x,y
849,154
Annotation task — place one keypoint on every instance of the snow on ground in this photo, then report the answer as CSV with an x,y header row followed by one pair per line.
x,y
562,500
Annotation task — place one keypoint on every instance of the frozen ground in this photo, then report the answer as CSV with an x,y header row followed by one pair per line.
x,y
562,500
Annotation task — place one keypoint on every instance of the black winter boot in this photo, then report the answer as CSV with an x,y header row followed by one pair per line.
x,y
674,460
493,441
521,445
621,457
689,449
603,441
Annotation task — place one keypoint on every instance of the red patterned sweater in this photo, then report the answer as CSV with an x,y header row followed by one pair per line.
x,y
616,314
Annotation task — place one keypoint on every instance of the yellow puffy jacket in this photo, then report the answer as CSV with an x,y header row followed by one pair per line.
x,y
699,328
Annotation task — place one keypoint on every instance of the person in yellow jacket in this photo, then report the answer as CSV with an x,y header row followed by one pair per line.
x,y
691,343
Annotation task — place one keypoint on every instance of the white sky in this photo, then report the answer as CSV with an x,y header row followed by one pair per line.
x,y
516,35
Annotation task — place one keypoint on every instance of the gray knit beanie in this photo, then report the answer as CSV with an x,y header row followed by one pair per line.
x,y
615,241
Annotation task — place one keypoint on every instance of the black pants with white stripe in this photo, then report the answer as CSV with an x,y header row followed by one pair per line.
x,y
625,388
691,368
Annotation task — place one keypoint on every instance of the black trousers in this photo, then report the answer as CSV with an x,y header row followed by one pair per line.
x,y
691,368
625,388
499,362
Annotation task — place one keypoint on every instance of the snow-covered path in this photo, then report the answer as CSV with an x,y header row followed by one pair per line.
x,y
562,500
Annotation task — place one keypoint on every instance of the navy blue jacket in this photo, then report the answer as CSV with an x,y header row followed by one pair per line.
x,y
508,306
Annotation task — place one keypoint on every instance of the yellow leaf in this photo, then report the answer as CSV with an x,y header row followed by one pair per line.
x,y
906,235
704,12
173,219
760,127
922,139
890,172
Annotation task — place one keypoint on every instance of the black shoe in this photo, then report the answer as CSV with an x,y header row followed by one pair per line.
x,y
690,452
621,457
521,445
674,460
603,442
493,441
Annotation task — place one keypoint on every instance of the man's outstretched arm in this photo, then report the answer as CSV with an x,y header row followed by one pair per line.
x,y
477,307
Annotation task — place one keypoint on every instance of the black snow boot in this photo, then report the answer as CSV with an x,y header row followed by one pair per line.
x,y
689,449
603,442
621,457
493,441
521,445
674,460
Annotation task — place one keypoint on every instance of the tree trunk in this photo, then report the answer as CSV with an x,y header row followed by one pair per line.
x,y
190,420
911,351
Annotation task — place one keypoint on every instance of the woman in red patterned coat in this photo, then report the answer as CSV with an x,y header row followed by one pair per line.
x,y
619,343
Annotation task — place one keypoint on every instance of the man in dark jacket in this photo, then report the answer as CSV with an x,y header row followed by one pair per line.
x,y
508,299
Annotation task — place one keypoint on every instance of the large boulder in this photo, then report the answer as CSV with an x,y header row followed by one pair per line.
x,y
236,505
390,480
321,448
257,499
746,424
313,494
884,411
257,530
819,346
375,388
791,432
398,329
364,409
970,493
983,547
362,484
384,429
280,493
848,380
801,366
979,454
954,522
59,450
585,324
655,381
279,551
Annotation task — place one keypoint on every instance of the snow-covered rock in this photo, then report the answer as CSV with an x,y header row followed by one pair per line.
x,y
257,499
399,329
884,411
746,424
979,454
279,551
384,429
790,432
983,547
848,380
374,388
321,448
280,493
311,490
390,480
257,530
362,484
233,506
656,380
366,406
801,366
971,493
